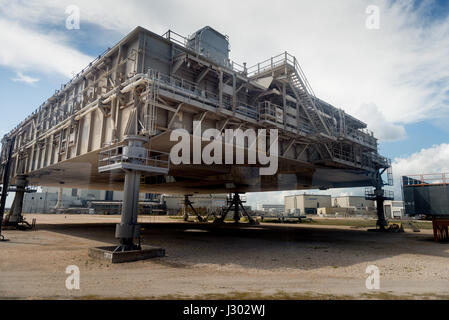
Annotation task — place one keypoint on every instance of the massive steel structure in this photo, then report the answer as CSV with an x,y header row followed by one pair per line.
x,y
109,127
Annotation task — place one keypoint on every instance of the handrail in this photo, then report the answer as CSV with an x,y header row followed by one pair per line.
x,y
183,42
425,179
370,193
115,155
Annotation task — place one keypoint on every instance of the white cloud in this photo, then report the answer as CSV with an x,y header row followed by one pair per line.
x,y
24,78
28,49
426,161
402,68
382,128
431,160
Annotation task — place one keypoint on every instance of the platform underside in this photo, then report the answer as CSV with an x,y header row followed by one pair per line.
x,y
82,172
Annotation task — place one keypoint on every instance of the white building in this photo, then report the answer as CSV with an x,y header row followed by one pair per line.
x,y
306,203
353,202
47,200
394,209
274,208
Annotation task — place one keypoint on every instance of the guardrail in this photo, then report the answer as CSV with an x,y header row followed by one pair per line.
x,y
425,179
183,42
116,156
371,194
362,135
188,87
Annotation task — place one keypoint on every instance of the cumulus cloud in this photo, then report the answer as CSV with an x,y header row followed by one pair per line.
x,y
377,122
426,161
28,49
24,78
431,160
402,68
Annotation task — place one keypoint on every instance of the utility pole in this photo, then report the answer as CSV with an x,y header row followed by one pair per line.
x,y
5,184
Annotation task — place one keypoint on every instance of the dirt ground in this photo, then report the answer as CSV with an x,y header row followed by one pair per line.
x,y
273,261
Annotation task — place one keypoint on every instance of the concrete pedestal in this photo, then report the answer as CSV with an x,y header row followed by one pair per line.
x,y
110,254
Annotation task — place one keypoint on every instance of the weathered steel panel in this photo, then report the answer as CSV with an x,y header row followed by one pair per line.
x,y
430,200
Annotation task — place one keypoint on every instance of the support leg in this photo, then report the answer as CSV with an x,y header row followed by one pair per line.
x,y
224,214
16,214
189,204
381,222
198,215
186,206
250,219
236,203
128,229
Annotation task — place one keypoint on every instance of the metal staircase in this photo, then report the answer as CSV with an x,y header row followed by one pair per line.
x,y
306,95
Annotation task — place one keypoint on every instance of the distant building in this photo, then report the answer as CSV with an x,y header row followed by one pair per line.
x,y
353,202
306,203
76,200
175,202
273,208
394,209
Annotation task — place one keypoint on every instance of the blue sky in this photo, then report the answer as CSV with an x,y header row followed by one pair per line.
x,y
396,78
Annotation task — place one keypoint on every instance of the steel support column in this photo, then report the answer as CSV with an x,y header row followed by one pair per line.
x,y
5,182
128,229
16,215
381,222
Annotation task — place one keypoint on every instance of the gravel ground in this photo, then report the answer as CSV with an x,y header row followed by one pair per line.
x,y
271,261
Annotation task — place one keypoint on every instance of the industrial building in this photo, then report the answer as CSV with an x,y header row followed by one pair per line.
x,y
355,203
326,205
110,128
209,201
394,209
54,200
273,208
62,200
306,203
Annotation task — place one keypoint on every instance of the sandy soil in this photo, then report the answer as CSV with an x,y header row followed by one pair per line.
x,y
205,261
